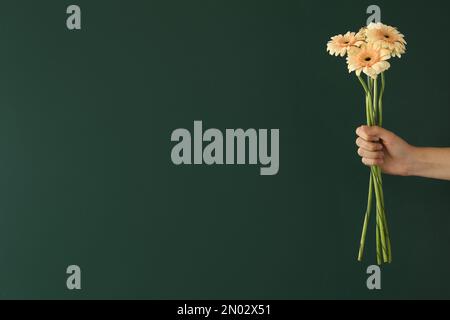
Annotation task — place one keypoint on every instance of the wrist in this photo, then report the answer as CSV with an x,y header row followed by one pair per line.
x,y
416,161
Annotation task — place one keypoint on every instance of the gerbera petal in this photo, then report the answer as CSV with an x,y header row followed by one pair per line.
x,y
386,37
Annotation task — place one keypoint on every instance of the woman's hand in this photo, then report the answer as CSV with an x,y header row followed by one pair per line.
x,y
380,147
383,148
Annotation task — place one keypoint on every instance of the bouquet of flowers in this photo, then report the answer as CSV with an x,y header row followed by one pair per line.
x,y
369,51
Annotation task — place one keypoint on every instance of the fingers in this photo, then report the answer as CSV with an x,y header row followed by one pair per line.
x,y
373,134
370,154
368,145
372,162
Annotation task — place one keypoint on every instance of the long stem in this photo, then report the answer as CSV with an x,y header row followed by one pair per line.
x,y
370,192
366,89
374,117
380,100
380,123
378,243
366,220
379,219
375,100
369,113
377,182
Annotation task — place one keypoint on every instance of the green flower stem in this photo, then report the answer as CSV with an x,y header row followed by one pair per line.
x,y
379,219
370,193
366,89
369,108
383,220
385,224
369,123
366,220
380,100
374,115
375,100
378,243
381,244
380,123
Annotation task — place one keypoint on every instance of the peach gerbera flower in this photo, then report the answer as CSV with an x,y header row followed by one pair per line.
x,y
340,44
368,59
386,37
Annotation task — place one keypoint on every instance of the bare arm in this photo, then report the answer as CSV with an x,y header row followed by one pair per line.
x,y
378,146
431,163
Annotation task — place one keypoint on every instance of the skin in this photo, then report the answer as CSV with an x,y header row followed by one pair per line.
x,y
378,146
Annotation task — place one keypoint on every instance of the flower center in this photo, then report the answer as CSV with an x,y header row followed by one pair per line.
x,y
368,59
386,36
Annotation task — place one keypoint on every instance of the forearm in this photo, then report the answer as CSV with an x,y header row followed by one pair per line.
x,y
431,163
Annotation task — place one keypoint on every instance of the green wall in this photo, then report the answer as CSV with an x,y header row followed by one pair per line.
x,y
85,170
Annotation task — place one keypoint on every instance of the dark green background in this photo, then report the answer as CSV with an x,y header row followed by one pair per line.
x,y
85,170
